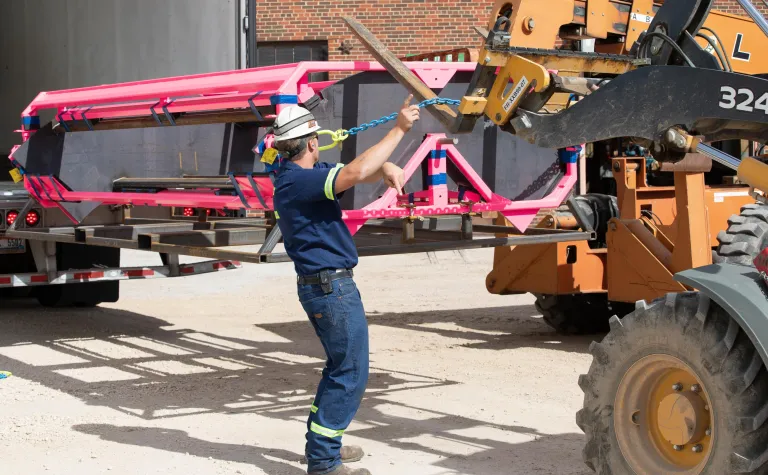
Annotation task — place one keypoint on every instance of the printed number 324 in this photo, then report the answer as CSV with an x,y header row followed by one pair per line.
x,y
729,100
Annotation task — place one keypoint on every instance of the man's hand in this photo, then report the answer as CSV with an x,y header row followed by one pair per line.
x,y
393,176
408,115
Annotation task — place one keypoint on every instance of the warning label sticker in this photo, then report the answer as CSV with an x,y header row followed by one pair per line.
x,y
516,92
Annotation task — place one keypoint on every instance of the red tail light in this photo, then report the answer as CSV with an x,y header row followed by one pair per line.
x,y
33,217
189,212
11,217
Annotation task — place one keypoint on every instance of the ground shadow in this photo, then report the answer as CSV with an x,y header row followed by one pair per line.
x,y
173,440
494,458
144,367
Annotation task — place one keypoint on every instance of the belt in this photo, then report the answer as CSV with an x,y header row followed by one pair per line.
x,y
324,277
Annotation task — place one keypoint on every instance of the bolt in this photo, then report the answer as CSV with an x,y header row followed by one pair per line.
x,y
612,226
677,447
677,387
636,418
696,388
706,408
680,141
531,24
697,448
487,59
498,116
708,431
655,49
616,166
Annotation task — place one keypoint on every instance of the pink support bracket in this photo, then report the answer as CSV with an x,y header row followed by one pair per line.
x,y
436,200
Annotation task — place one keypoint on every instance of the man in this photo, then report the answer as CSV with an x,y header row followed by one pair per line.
x,y
321,247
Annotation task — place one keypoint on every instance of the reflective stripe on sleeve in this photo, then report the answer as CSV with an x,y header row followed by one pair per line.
x,y
324,431
329,181
313,408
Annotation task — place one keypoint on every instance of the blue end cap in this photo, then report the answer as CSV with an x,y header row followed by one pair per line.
x,y
569,154
438,154
283,99
30,122
439,179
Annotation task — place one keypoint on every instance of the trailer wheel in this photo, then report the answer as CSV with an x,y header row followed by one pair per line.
x,y
675,387
77,295
579,314
746,236
91,294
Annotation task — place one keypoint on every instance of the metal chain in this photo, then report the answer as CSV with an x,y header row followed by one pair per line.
x,y
393,116
543,180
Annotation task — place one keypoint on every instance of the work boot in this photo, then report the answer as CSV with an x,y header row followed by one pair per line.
x,y
344,470
349,454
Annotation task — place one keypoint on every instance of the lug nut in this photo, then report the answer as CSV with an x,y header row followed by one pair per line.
x,y
708,431
677,447
697,448
696,388
677,387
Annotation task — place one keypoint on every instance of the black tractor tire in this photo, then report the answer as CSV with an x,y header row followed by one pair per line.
x,y
579,314
746,236
695,330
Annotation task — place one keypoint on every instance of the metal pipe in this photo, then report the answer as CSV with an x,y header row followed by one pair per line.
x,y
718,156
755,14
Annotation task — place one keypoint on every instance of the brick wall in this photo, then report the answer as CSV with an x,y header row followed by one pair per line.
x,y
732,6
405,26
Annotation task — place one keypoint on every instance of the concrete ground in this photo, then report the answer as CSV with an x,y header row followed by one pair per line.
x,y
214,374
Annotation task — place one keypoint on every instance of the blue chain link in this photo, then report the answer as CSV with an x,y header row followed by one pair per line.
x,y
391,117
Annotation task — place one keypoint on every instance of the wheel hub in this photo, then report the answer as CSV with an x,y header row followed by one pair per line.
x,y
662,417
682,418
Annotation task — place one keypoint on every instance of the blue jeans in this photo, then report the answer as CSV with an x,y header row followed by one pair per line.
x,y
339,321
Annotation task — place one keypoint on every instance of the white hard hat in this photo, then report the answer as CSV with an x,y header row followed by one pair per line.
x,y
294,122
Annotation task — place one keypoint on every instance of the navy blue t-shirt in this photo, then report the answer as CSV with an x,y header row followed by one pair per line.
x,y
309,216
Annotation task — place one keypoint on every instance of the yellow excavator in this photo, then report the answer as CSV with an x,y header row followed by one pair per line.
x,y
679,384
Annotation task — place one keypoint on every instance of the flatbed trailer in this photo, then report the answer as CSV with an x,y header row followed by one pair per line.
x,y
30,266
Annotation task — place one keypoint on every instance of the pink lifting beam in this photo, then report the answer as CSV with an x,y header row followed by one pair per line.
x,y
271,89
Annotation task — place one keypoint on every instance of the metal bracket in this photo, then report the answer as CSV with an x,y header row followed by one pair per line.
x,y
580,218
168,115
253,106
273,238
62,122
239,192
256,190
86,120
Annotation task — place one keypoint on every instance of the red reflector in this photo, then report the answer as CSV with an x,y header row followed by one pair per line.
x,y
189,212
11,217
88,275
219,265
32,218
5,281
37,279
139,273
187,270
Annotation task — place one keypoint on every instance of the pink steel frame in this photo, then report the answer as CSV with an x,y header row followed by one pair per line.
x,y
233,90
